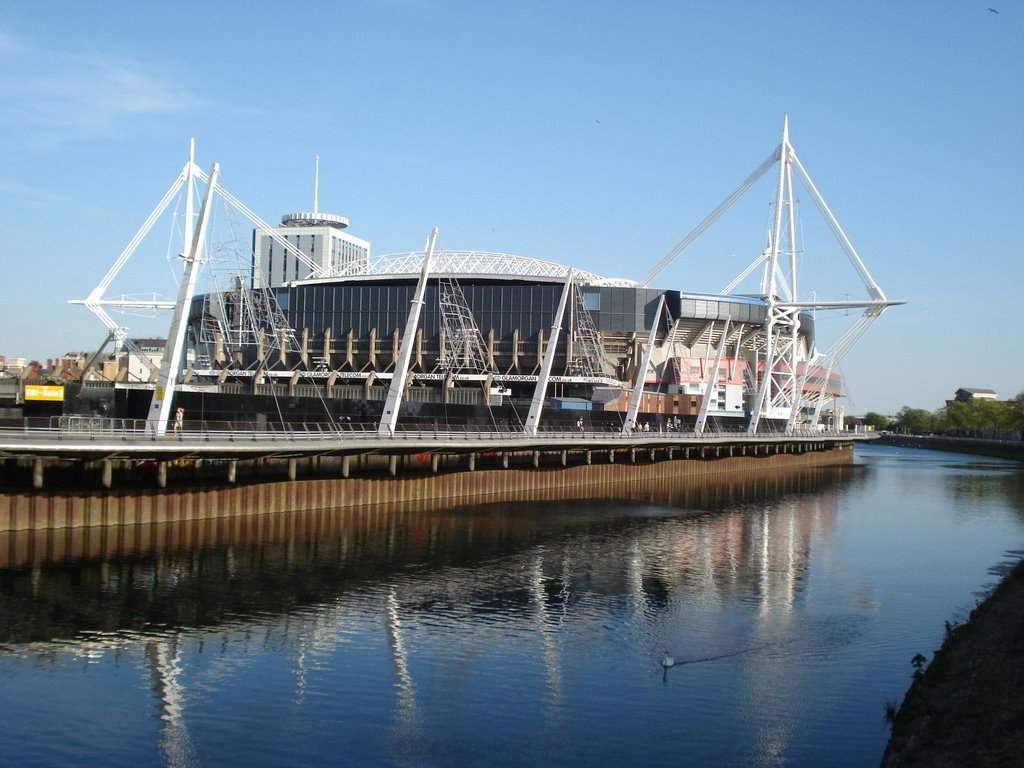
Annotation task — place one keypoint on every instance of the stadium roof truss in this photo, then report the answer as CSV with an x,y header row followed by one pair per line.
x,y
464,263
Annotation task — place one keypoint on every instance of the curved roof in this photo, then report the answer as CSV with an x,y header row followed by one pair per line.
x,y
471,263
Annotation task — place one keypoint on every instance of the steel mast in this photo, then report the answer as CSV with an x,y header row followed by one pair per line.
x,y
174,352
393,404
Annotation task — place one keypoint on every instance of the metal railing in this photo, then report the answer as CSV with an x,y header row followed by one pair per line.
x,y
135,430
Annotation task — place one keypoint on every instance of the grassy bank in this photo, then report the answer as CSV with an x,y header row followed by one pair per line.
x,y
967,707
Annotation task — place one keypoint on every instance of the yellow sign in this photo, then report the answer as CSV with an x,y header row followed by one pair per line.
x,y
44,392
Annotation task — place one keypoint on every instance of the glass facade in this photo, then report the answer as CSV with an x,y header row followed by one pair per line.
x,y
360,306
719,308
629,310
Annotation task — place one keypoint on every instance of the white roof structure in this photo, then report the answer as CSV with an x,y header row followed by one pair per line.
x,y
461,263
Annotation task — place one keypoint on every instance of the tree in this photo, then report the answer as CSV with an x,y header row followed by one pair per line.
x,y
961,417
1016,414
915,420
876,420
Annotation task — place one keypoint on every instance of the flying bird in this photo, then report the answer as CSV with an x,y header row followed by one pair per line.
x,y
992,10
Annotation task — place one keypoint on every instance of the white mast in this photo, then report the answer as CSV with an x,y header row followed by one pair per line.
x,y
711,388
779,392
316,186
641,375
167,380
539,393
394,402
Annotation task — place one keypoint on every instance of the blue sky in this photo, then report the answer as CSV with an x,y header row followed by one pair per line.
x,y
595,134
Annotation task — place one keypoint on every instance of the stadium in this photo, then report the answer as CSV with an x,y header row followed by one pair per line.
x,y
311,327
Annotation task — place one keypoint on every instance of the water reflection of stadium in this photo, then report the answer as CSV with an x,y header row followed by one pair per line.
x,y
695,542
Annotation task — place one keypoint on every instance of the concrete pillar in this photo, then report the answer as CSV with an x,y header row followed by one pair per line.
x,y
293,468
37,474
472,462
611,457
536,458
393,465
108,473
565,458
632,455
435,462
504,459
346,466
590,457
232,470
161,474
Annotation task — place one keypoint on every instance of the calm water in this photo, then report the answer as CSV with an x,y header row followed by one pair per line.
x,y
508,635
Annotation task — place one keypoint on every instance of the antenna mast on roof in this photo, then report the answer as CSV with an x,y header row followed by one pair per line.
x,y
316,186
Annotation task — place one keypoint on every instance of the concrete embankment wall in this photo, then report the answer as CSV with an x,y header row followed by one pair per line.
x,y
1001,449
87,509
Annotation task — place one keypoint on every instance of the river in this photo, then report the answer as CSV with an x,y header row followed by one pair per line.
x,y
516,634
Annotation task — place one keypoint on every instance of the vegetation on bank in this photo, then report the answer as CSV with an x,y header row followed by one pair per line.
x,y
965,708
993,419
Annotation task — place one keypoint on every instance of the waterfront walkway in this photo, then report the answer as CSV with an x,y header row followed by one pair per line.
x,y
125,439
110,440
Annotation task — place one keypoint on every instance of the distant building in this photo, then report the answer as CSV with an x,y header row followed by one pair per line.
x,y
68,367
13,365
134,367
969,394
318,236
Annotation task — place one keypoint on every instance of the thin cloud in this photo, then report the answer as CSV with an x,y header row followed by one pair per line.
x,y
53,99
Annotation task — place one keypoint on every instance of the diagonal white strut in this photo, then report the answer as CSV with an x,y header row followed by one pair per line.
x,y
712,385
869,282
95,301
389,419
539,393
710,219
641,374
167,379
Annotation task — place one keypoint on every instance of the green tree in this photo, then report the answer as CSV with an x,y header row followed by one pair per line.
x,y
876,420
1017,414
1010,418
915,420
961,417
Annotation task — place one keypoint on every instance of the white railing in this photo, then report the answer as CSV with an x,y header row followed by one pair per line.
x,y
70,428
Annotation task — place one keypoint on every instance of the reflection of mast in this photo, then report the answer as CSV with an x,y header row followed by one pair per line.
x,y
552,668
165,668
635,566
407,711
